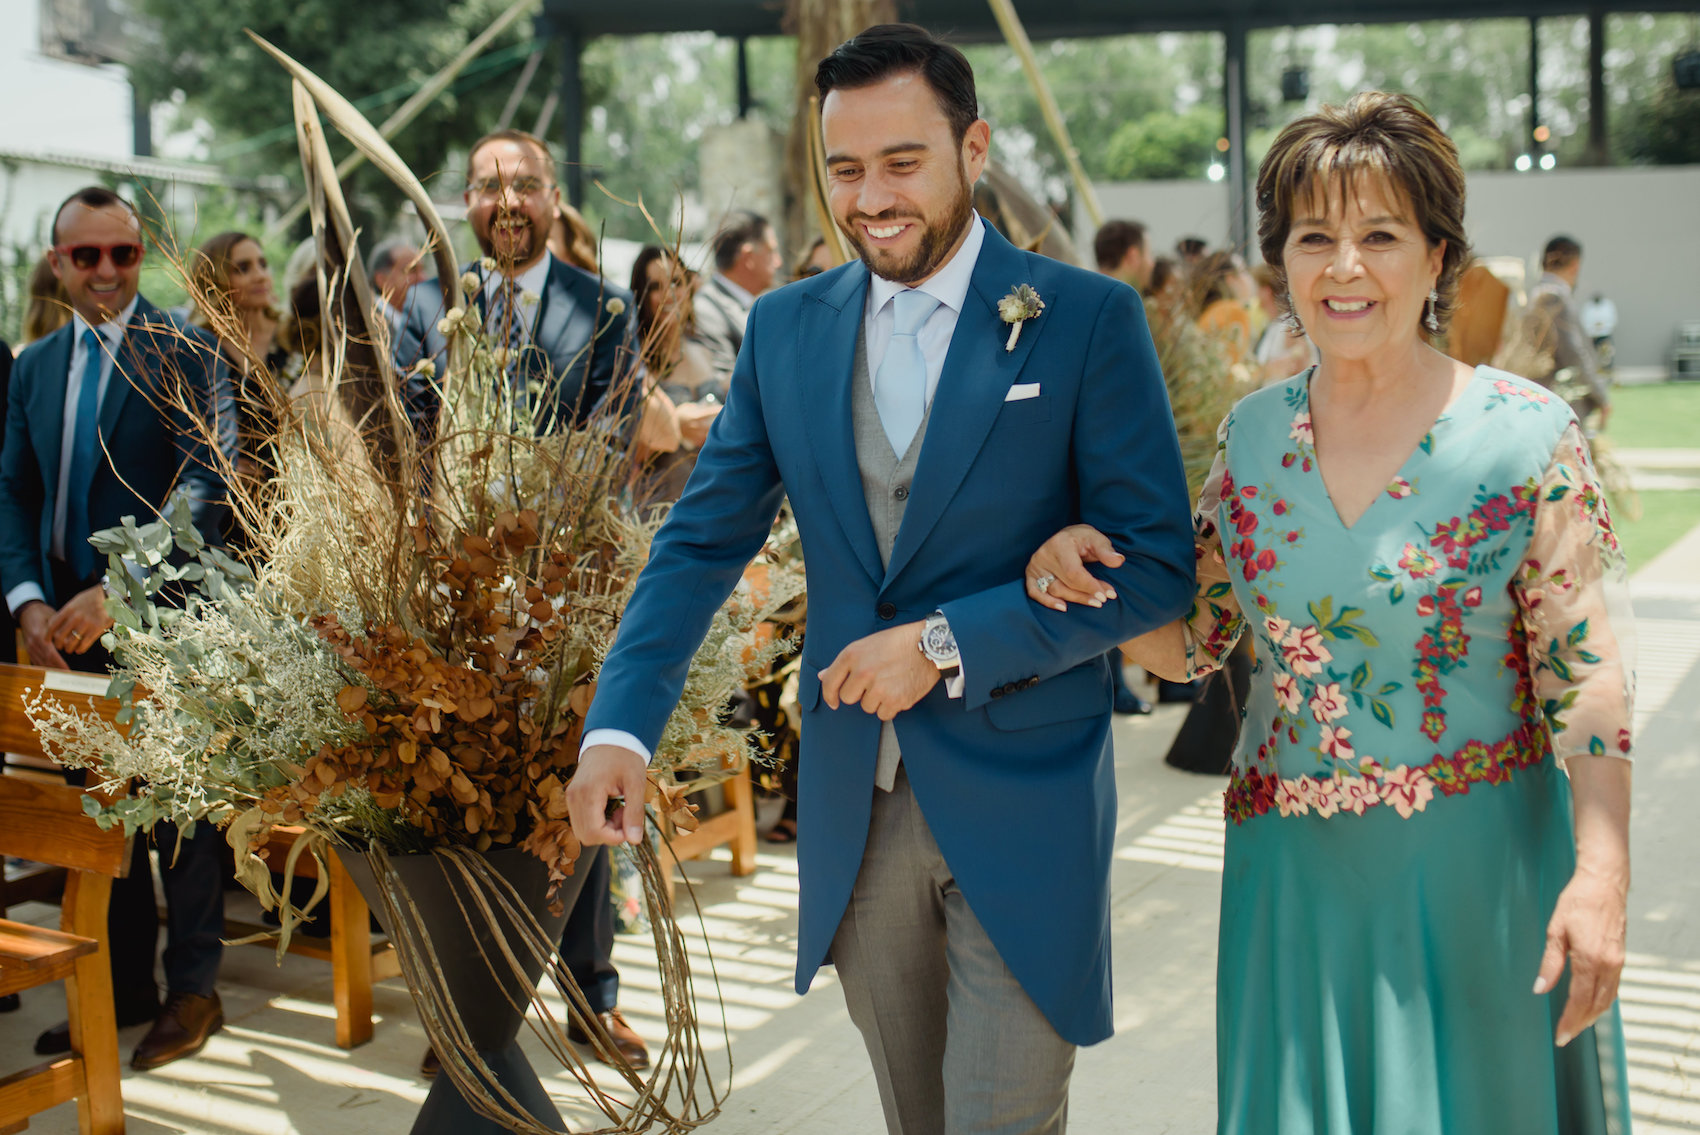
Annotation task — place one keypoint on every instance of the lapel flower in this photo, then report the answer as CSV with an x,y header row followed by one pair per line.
x,y
1022,304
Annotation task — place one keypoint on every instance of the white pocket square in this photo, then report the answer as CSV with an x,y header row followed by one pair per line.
x,y
1022,390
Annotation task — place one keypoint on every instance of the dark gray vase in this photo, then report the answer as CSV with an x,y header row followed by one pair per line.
x,y
484,1007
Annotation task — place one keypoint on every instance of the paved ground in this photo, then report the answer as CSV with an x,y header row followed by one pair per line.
x,y
799,1065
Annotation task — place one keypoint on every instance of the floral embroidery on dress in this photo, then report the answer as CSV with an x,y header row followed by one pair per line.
x,y
1527,576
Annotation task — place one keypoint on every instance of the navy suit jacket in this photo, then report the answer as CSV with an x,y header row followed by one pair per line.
x,y
580,351
1016,778
147,445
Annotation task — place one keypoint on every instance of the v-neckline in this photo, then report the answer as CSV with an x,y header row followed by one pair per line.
x,y
1400,474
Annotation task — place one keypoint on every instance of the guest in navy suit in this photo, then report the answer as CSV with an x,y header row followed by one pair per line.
x,y
571,334
569,329
956,784
101,425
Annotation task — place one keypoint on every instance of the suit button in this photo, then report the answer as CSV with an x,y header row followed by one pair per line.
x,y
998,693
901,492
887,611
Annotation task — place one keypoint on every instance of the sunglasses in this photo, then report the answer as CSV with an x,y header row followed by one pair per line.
x,y
87,256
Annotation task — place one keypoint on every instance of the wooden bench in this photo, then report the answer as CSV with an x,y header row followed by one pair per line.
x,y
45,822
356,961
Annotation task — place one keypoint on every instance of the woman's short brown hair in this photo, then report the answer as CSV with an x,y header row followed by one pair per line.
x,y
1386,135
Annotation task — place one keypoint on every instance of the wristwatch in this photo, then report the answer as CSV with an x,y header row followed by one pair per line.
x,y
939,646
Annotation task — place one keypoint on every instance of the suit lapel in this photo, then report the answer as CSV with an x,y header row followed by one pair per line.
x,y
563,332
827,331
47,407
977,374
130,369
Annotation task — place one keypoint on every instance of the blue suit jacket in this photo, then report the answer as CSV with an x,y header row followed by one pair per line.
x,y
150,445
579,350
1015,778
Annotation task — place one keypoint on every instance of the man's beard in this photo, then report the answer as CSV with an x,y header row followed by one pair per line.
x,y
524,245
936,240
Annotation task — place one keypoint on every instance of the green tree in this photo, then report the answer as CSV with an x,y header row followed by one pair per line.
x,y
375,53
1165,145
1665,130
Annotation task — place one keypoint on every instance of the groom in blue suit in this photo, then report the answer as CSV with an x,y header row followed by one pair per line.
x,y
956,787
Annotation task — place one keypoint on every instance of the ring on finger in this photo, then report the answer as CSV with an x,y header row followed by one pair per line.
x,y
1043,584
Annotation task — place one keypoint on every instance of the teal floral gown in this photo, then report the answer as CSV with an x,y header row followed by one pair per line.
x,y
1398,815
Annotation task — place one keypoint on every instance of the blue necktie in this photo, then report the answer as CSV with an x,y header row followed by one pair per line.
x,y
79,557
506,327
900,387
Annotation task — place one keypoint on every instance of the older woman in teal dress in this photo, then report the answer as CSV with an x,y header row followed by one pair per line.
x,y
1428,807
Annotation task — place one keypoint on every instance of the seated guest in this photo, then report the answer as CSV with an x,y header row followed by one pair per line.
x,y
1120,250
746,259
49,309
1220,289
111,380
817,260
570,239
393,267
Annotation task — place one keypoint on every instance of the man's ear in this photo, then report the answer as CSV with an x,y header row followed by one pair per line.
x,y
976,147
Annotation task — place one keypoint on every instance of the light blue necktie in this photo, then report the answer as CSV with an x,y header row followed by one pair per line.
x,y
79,557
900,387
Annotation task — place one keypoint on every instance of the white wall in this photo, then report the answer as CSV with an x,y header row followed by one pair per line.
x,y
54,105
1639,230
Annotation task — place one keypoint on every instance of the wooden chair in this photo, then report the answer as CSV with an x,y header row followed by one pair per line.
x,y
44,822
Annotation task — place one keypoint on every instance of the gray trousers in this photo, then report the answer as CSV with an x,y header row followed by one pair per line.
x,y
957,1045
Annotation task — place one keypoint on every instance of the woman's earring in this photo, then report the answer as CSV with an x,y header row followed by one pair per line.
x,y
1432,320
1291,319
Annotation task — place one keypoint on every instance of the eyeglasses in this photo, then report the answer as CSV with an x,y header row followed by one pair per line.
x,y
87,256
521,186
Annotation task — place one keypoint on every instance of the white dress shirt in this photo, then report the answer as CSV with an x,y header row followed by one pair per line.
x,y
737,291
111,335
949,285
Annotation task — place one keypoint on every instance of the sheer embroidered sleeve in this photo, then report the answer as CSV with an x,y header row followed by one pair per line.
x,y
1215,621
1573,592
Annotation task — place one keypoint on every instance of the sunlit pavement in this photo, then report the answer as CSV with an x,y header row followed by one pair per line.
x,y
798,1067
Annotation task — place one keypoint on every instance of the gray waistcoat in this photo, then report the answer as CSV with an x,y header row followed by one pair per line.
x,y
885,485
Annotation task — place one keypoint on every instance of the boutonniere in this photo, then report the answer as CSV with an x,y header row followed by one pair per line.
x,y
1022,304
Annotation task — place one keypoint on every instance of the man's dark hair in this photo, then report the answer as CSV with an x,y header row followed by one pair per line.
x,y
1190,247
740,227
1561,252
93,197
895,49
1113,241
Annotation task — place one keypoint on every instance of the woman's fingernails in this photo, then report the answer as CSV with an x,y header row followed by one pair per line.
x,y
1542,985
1099,596
1110,594
1565,1038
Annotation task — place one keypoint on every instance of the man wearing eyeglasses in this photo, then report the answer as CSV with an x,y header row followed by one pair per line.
x,y
101,425
566,329
569,332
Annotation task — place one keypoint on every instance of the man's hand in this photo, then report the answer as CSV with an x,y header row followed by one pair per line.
x,y
694,418
606,773
79,624
885,673
34,620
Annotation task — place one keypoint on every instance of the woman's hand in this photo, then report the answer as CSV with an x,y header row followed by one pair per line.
x,y
1588,927
1060,564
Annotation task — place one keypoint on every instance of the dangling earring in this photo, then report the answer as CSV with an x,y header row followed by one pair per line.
x,y
1291,319
1432,320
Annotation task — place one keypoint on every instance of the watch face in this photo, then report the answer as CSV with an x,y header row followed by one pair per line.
x,y
937,640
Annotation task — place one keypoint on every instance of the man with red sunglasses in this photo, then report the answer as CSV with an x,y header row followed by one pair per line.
x,y
96,432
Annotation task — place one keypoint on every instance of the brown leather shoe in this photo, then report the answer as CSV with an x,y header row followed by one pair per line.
x,y
182,1029
626,1042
